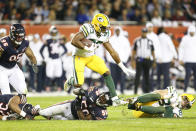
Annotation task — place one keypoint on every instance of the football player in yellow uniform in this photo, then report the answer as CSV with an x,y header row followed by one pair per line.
x,y
161,103
98,31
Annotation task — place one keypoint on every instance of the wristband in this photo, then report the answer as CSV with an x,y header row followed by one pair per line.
x,y
85,48
121,65
22,113
4,118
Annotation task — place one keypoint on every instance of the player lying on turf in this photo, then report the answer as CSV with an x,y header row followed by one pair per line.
x,y
89,104
161,103
14,107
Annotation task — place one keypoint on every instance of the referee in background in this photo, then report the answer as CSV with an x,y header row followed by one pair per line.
x,y
142,51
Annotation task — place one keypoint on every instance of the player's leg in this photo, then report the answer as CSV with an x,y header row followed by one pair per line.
x,y
50,69
78,73
58,73
17,80
187,76
4,81
98,65
61,111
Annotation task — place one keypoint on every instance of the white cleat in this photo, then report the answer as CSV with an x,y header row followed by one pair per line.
x,y
67,84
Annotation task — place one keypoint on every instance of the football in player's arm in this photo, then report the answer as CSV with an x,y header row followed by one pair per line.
x,y
15,107
88,105
161,103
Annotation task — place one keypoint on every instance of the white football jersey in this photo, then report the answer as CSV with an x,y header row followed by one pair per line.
x,y
90,34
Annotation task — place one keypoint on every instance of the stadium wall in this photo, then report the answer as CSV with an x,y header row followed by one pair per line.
x,y
134,31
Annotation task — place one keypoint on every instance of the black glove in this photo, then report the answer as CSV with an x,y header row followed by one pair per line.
x,y
35,69
79,91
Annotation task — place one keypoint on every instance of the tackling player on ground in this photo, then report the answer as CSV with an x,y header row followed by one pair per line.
x,y
161,103
88,105
98,32
14,107
12,48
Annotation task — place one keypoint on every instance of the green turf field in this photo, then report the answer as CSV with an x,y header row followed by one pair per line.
x,y
117,121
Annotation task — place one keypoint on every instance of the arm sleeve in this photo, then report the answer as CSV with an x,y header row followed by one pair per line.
x,y
152,46
135,45
41,50
172,48
64,50
181,49
85,29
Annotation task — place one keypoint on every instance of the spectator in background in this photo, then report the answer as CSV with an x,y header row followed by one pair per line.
x,y
156,18
137,15
167,55
38,78
3,32
53,59
38,14
187,55
116,10
69,14
179,15
82,16
122,45
142,51
52,15
45,13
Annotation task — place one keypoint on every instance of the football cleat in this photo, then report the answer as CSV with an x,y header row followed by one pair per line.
x,y
133,104
68,83
118,102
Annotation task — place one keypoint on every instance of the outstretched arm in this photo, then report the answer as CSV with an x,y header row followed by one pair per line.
x,y
112,52
30,55
116,58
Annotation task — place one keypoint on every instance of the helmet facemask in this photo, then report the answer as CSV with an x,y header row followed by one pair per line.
x,y
17,34
104,100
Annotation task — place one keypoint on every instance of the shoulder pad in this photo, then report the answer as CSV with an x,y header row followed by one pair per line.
x,y
86,29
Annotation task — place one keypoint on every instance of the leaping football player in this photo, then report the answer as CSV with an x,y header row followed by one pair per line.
x,y
98,31
12,48
161,103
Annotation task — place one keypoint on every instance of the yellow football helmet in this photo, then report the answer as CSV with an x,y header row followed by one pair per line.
x,y
100,22
190,98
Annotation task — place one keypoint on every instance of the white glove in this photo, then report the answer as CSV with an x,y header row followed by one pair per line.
x,y
127,71
90,49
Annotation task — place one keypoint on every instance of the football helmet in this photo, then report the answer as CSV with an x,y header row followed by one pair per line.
x,y
17,33
100,23
188,100
53,32
104,100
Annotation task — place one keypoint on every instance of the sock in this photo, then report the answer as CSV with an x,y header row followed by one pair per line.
x,y
148,97
110,84
71,81
152,110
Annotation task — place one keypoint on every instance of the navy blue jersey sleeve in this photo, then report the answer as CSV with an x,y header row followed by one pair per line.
x,y
64,48
41,50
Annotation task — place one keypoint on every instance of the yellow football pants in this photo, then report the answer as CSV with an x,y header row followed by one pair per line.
x,y
94,63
